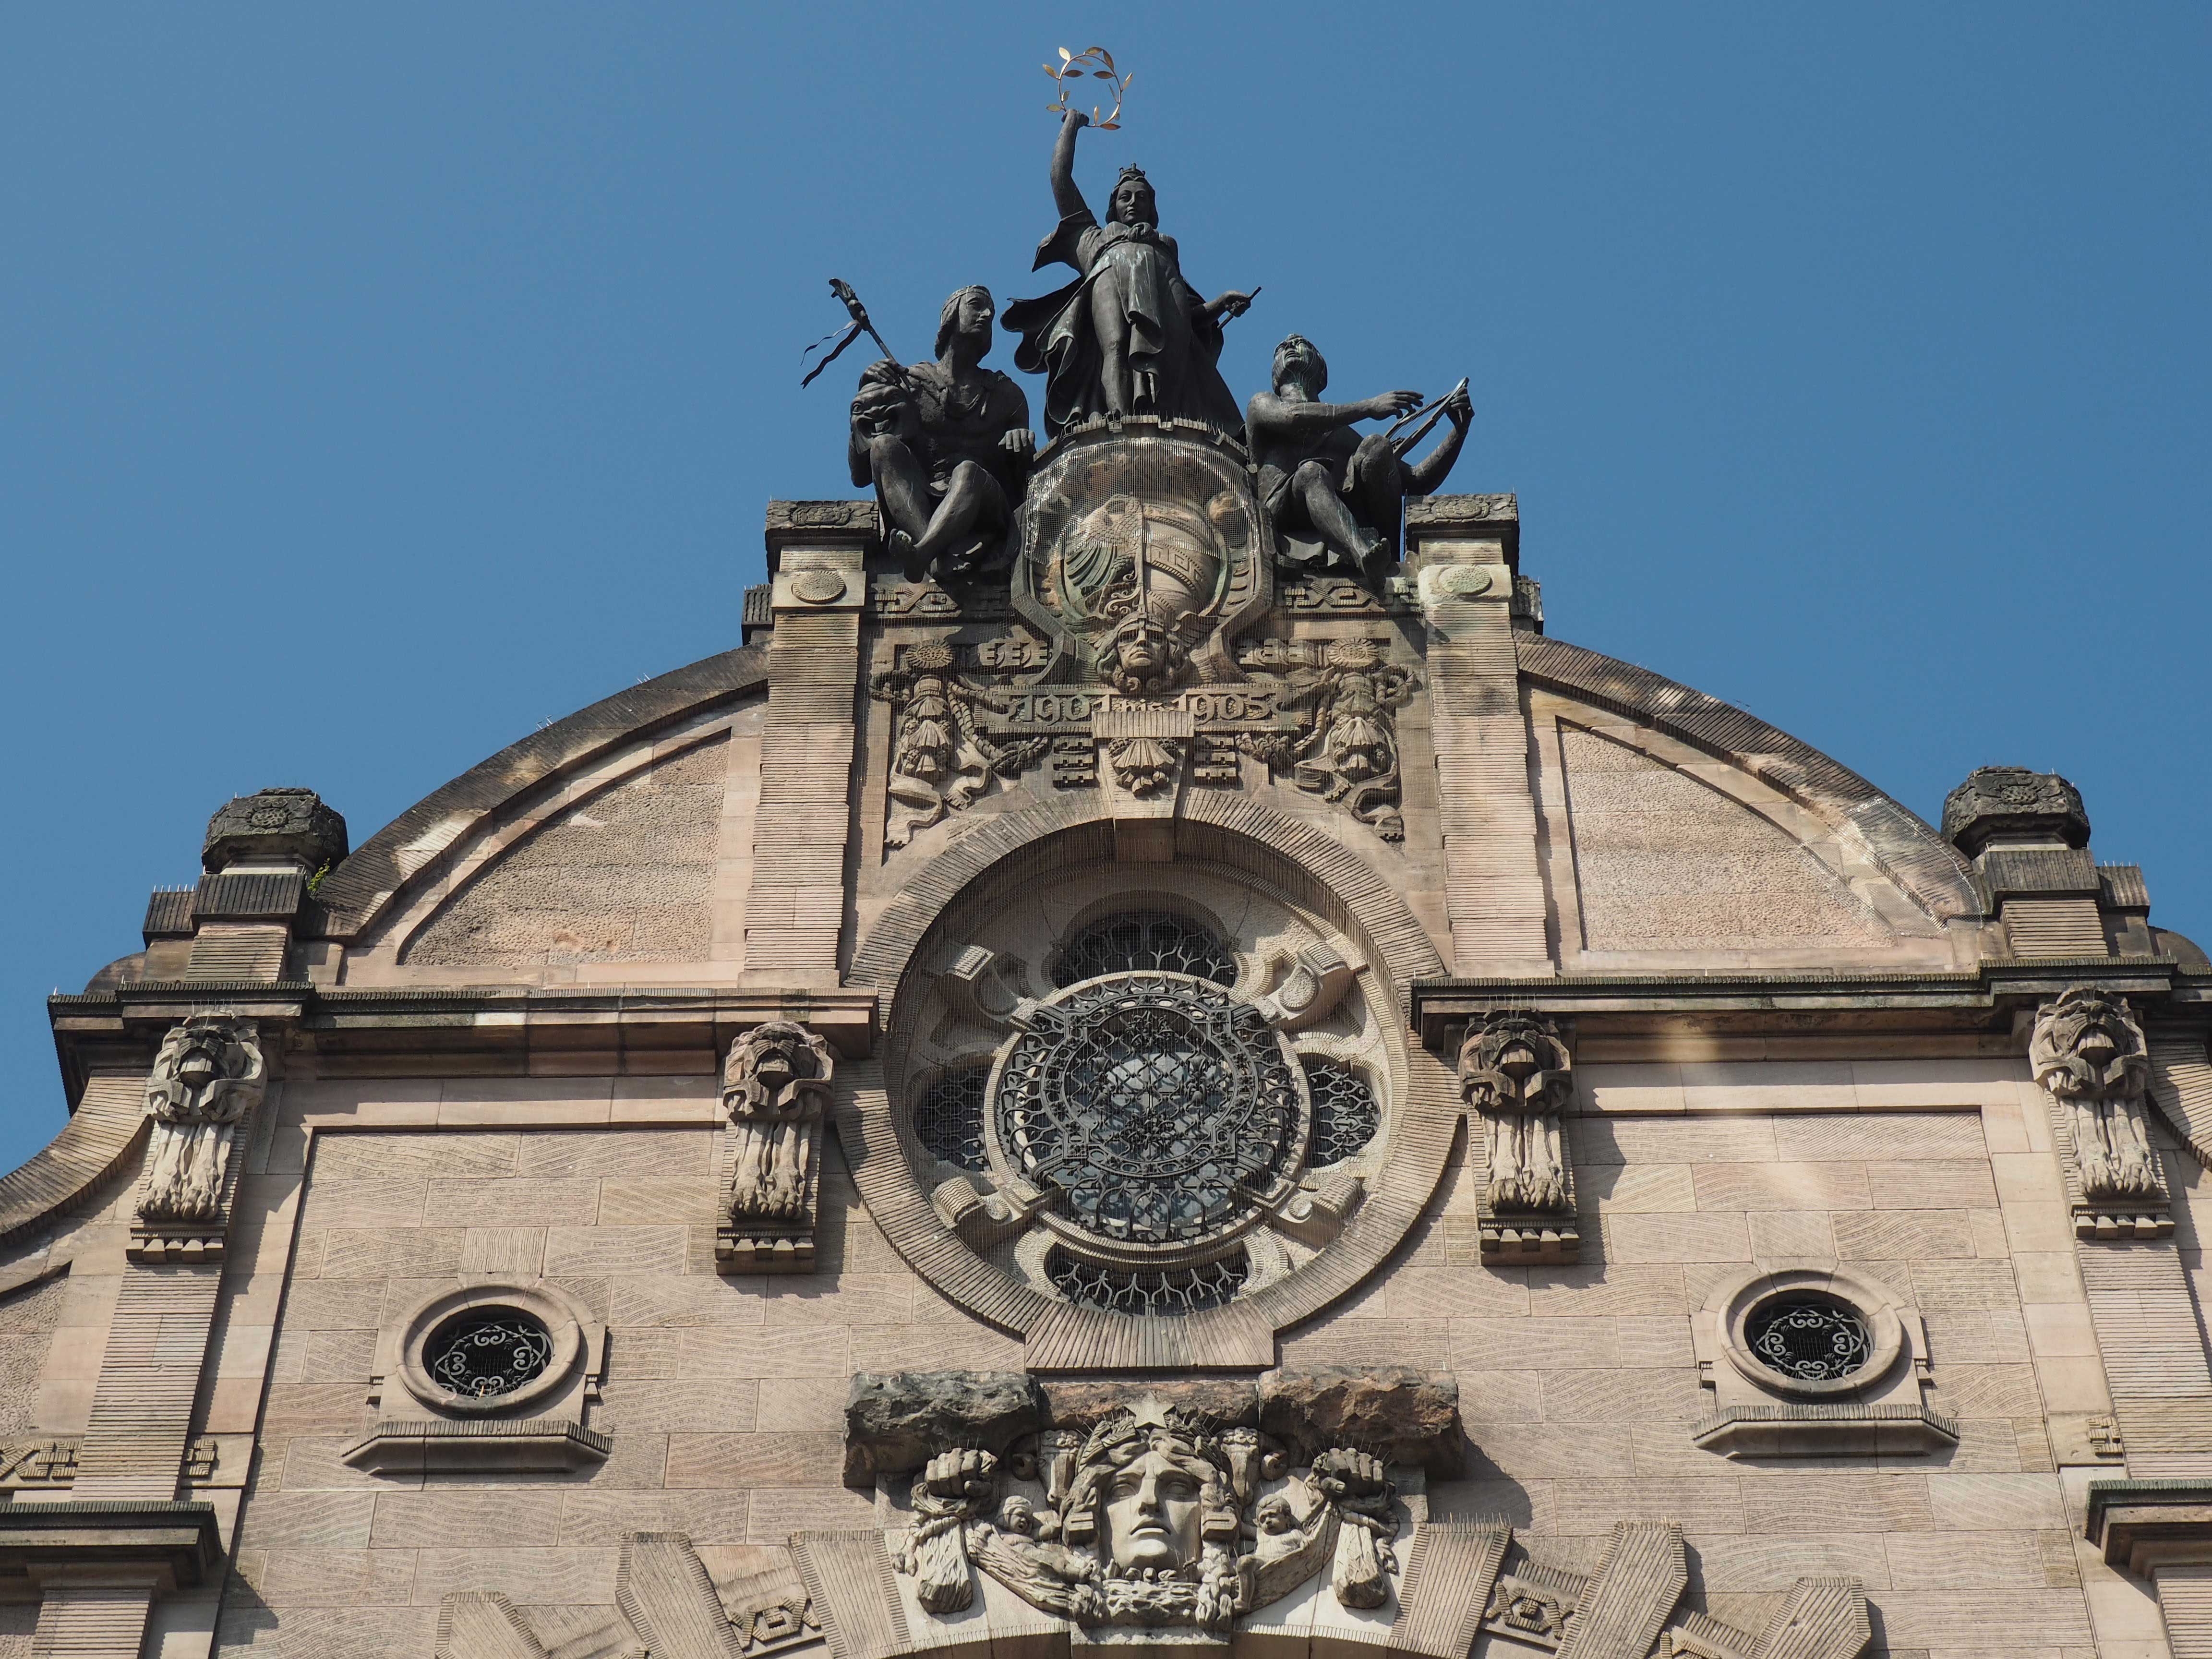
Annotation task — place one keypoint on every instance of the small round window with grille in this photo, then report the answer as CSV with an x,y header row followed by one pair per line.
x,y
1809,1338
948,1119
1167,1292
488,1352
1144,941
1346,1114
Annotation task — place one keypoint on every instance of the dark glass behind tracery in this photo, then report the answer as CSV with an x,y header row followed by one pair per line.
x,y
484,1355
1809,1338
1144,941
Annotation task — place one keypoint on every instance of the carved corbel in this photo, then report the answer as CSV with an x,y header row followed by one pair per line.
x,y
207,1079
1516,1077
982,985
1316,1211
2088,1054
775,1094
985,1218
1317,979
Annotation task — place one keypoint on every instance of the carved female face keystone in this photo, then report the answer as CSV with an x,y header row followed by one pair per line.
x,y
1151,1513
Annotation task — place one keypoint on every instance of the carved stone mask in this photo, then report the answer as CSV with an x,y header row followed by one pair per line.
x,y
2089,1044
1152,1508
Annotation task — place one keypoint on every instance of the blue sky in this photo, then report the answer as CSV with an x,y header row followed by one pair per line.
x,y
377,385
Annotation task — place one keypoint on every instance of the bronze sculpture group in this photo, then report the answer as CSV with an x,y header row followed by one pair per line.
x,y
947,445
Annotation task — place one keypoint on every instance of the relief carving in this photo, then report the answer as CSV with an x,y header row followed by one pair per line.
x,y
1144,1523
1516,1074
2088,1053
775,1090
207,1079
940,762
1345,749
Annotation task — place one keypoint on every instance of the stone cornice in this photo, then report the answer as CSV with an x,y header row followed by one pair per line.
x,y
1978,999
492,1023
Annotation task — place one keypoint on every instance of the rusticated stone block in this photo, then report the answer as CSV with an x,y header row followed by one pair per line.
x,y
1401,1415
895,1422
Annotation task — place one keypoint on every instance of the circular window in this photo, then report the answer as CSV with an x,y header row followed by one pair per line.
x,y
948,1119
1159,1106
486,1354
1140,941
1809,1338
490,1349
1346,1114
1156,1292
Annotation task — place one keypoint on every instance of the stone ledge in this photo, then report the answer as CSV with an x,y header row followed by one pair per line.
x,y
433,1446
1845,1431
179,1540
2144,1525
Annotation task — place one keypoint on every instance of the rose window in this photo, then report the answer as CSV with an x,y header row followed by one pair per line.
x,y
483,1356
1809,1338
1162,1109
1145,941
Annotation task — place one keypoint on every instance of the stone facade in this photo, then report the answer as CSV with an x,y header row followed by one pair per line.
x,y
1194,1103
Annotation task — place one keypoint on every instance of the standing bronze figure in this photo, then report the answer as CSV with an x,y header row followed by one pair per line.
x,y
947,446
1130,335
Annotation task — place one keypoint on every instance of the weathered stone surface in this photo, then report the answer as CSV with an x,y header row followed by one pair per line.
x,y
1399,1414
2014,801
1226,1402
273,824
896,1422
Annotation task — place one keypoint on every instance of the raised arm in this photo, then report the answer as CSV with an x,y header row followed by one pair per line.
x,y
1065,196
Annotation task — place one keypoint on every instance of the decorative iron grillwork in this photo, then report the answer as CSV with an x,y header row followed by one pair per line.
x,y
949,1117
1144,941
1809,1338
1158,1103
1169,1292
488,1354
1346,1114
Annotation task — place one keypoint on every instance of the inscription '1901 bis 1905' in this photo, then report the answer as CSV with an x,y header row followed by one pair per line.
x,y
1057,709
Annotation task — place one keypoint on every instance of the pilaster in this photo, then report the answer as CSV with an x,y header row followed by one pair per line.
x,y
795,911
1494,888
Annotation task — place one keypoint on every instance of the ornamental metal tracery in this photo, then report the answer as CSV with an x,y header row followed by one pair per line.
x,y
483,1357
1136,941
948,1119
1346,1114
1163,1291
1809,1338
1161,1108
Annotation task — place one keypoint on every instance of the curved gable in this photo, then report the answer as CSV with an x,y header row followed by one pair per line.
x,y
1923,866
362,889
